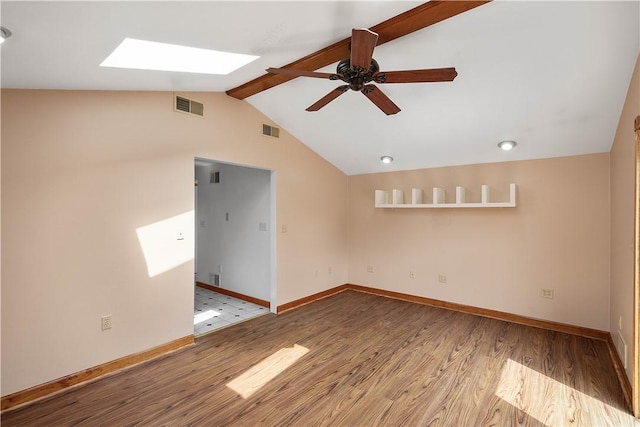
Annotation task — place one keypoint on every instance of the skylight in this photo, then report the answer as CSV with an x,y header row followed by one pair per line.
x,y
146,55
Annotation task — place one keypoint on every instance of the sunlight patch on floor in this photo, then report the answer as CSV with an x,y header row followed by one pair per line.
x,y
259,375
204,316
546,399
168,243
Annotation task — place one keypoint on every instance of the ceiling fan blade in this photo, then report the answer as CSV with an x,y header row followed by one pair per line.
x,y
362,43
328,98
417,76
419,17
302,73
381,100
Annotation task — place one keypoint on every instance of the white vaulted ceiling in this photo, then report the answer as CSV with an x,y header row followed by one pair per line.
x,y
551,75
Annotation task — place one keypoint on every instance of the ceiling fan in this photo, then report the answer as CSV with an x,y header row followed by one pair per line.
x,y
360,71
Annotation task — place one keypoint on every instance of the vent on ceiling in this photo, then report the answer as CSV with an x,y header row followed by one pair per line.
x,y
189,106
271,131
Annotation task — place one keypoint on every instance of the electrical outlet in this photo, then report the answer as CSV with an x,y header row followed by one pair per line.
x,y
369,268
106,322
620,323
442,278
284,228
546,293
329,270
412,275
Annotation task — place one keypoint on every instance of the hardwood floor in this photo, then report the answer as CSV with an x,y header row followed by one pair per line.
x,y
356,359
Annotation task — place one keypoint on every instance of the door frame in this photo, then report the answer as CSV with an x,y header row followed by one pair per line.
x,y
271,228
636,292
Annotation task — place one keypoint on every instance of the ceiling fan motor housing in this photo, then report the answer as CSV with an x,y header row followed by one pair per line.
x,y
356,77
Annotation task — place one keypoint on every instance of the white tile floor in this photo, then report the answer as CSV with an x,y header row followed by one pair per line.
x,y
214,311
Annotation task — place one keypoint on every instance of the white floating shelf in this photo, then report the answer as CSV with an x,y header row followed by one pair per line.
x,y
438,201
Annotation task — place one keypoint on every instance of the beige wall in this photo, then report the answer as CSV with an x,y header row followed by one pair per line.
x,y
82,172
622,219
497,258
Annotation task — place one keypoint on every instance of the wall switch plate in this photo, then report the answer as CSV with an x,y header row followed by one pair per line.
x,y
412,275
369,268
442,278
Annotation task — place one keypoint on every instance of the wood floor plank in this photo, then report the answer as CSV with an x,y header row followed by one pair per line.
x,y
368,360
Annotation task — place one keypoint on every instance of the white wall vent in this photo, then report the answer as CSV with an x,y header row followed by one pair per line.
x,y
271,131
622,350
189,106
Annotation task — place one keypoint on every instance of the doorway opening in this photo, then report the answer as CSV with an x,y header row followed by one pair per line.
x,y
234,244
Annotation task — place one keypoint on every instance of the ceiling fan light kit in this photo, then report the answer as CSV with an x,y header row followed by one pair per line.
x,y
360,71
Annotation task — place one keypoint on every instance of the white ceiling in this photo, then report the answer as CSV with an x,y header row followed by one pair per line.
x,y
551,75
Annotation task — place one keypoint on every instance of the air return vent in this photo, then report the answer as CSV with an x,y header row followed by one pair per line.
x,y
189,106
622,350
271,131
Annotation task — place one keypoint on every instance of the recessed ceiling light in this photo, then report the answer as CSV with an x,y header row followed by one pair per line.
x,y
4,34
507,145
386,159
145,55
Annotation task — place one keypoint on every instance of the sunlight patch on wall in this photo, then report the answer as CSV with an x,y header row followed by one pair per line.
x,y
531,392
259,375
167,244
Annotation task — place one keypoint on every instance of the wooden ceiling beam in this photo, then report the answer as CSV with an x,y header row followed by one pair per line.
x,y
412,20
